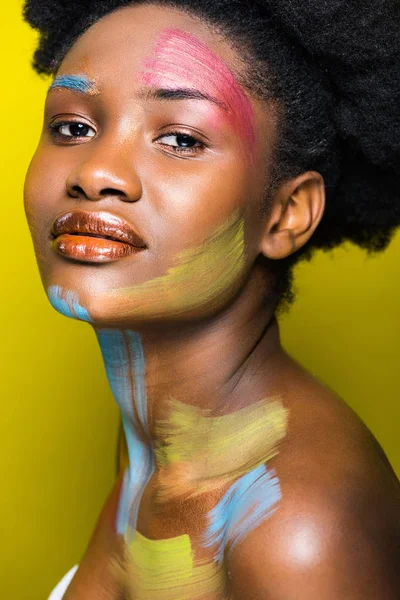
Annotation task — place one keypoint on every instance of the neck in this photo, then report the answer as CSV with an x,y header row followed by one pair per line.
x,y
203,367
185,392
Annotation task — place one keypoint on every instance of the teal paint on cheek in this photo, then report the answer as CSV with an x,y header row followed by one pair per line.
x,y
248,503
125,367
67,303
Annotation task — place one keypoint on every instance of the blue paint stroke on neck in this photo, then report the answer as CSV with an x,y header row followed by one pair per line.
x,y
76,83
125,366
248,502
138,363
67,303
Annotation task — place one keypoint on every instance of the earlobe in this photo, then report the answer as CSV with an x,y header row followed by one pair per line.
x,y
296,210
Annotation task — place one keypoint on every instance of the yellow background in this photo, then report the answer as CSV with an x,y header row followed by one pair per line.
x,y
59,422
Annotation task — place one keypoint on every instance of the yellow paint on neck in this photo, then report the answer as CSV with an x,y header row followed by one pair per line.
x,y
203,279
167,570
204,451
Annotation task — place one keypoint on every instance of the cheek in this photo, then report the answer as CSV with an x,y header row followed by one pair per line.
x,y
202,280
197,198
35,206
42,188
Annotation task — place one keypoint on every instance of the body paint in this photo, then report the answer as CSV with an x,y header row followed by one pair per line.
x,y
125,367
202,276
75,83
67,303
171,568
221,449
168,569
180,60
224,449
246,505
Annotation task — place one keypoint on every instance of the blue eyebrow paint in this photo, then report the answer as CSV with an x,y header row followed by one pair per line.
x,y
247,503
67,303
76,83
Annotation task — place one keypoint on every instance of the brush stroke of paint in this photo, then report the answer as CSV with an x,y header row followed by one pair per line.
x,y
246,505
201,279
125,367
221,448
67,303
75,83
168,569
180,60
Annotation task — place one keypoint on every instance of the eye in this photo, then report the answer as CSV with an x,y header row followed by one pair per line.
x,y
181,143
71,130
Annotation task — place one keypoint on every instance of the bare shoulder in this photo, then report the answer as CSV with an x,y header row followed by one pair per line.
x,y
335,532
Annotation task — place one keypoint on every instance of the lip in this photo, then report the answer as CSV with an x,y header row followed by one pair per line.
x,y
94,237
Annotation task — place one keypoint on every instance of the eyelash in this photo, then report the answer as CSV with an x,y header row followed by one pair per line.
x,y
199,145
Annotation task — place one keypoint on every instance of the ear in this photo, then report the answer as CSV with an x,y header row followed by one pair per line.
x,y
296,210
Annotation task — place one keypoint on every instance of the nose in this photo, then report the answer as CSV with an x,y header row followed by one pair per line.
x,y
105,172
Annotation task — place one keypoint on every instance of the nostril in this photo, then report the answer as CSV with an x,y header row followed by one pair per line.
x,y
76,191
112,192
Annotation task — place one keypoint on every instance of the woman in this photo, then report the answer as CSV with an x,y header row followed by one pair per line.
x,y
191,154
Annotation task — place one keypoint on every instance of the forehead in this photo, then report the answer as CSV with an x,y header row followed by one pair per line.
x,y
124,39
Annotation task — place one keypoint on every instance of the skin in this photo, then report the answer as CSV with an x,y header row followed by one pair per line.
x,y
188,336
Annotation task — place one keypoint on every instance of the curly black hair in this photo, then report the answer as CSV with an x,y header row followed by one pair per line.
x,y
332,67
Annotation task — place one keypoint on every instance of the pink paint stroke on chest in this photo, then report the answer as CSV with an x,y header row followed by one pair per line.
x,y
180,60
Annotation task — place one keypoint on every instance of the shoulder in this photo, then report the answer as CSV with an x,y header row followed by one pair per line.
x,y
336,530
322,542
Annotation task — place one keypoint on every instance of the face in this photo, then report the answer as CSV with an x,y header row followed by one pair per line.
x,y
144,194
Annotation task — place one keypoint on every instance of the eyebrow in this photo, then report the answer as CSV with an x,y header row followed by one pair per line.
x,y
178,94
83,85
75,83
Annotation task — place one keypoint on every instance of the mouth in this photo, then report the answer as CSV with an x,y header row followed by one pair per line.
x,y
94,237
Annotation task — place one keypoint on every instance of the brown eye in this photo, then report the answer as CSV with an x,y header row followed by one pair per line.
x,y
179,140
72,129
180,143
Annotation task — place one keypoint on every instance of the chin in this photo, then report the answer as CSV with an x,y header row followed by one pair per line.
x,y
135,306
112,297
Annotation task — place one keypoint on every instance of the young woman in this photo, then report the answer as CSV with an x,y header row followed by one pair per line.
x,y
191,153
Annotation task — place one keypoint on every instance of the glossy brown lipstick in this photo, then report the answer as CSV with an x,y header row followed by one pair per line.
x,y
94,237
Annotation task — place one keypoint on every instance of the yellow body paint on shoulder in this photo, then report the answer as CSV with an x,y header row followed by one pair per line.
x,y
166,570
220,448
201,279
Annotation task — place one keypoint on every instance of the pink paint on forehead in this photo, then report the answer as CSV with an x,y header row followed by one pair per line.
x,y
180,60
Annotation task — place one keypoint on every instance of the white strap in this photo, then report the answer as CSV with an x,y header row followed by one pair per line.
x,y
61,588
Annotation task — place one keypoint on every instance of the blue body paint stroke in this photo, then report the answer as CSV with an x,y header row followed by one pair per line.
x,y
125,367
248,502
66,302
135,344
135,479
116,360
76,83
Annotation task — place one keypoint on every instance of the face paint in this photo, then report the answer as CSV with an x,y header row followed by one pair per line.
x,y
125,366
215,445
66,302
75,83
180,60
204,277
